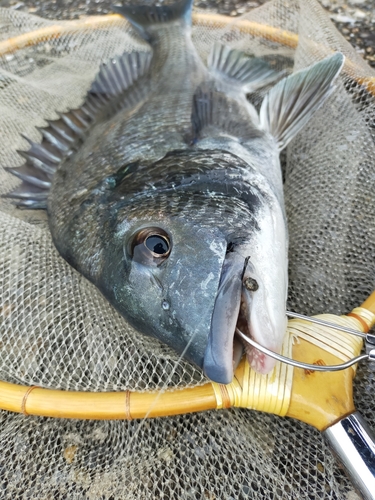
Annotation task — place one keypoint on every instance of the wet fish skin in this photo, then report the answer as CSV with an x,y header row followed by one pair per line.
x,y
178,151
196,221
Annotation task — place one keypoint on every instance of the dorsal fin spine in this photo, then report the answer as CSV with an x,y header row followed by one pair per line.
x,y
61,136
79,114
54,138
35,181
38,164
64,132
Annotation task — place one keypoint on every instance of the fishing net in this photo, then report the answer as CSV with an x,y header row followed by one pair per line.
x,y
58,332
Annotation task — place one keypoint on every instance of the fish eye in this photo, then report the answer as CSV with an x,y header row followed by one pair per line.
x,y
157,244
150,246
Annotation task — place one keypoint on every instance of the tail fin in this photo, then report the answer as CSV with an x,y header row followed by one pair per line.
x,y
144,16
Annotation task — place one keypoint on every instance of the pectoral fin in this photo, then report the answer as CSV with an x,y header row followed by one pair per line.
x,y
291,103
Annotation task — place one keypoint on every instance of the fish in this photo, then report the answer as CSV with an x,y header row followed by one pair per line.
x,y
164,189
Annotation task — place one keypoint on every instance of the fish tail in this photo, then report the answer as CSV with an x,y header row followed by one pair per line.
x,y
145,17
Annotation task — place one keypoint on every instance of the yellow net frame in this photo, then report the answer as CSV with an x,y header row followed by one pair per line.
x,y
317,398
266,32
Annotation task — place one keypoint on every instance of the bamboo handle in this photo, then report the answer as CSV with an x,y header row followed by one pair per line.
x,y
369,303
104,405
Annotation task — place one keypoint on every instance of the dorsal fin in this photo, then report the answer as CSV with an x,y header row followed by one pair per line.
x,y
108,94
142,17
215,113
119,74
291,103
248,72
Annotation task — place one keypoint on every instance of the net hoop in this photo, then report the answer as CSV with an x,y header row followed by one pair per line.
x,y
295,389
277,35
242,392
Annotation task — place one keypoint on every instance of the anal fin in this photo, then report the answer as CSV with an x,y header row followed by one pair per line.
x,y
248,72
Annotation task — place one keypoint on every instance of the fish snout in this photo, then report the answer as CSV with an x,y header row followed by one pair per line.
x,y
223,351
243,301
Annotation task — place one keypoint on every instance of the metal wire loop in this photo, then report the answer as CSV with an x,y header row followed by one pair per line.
x,y
306,366
322,322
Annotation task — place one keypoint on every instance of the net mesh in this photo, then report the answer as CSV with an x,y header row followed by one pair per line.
x,y
57,331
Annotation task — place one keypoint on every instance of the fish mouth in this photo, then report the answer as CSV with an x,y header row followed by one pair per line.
x,y
224,348
233,310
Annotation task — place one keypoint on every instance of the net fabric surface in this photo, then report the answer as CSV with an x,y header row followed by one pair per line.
x,y
57,331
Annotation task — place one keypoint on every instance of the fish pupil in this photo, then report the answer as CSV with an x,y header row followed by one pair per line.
x,y
157,244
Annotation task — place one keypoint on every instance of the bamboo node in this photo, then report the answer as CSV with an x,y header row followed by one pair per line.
x,y
364,316
24,399
128,415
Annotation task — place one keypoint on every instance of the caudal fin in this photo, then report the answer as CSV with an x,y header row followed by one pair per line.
x,y
291,103
144,16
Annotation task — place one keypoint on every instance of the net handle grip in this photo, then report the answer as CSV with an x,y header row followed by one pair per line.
x,y
353,442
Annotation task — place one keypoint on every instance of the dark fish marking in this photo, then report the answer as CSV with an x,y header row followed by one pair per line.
x,y
247,259
213,172
126,170
251,284
230,247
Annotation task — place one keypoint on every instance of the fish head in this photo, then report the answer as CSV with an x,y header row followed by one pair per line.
x,y
175,256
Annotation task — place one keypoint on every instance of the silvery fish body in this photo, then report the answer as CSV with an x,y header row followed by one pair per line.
x,y
164,189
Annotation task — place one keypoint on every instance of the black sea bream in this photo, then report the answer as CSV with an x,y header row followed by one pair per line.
x,y
164,189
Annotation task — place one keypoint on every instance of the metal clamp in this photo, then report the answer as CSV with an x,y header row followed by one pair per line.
x,y
370,346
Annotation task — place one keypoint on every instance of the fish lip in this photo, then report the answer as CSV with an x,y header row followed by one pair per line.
x,y
222,350
254,325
